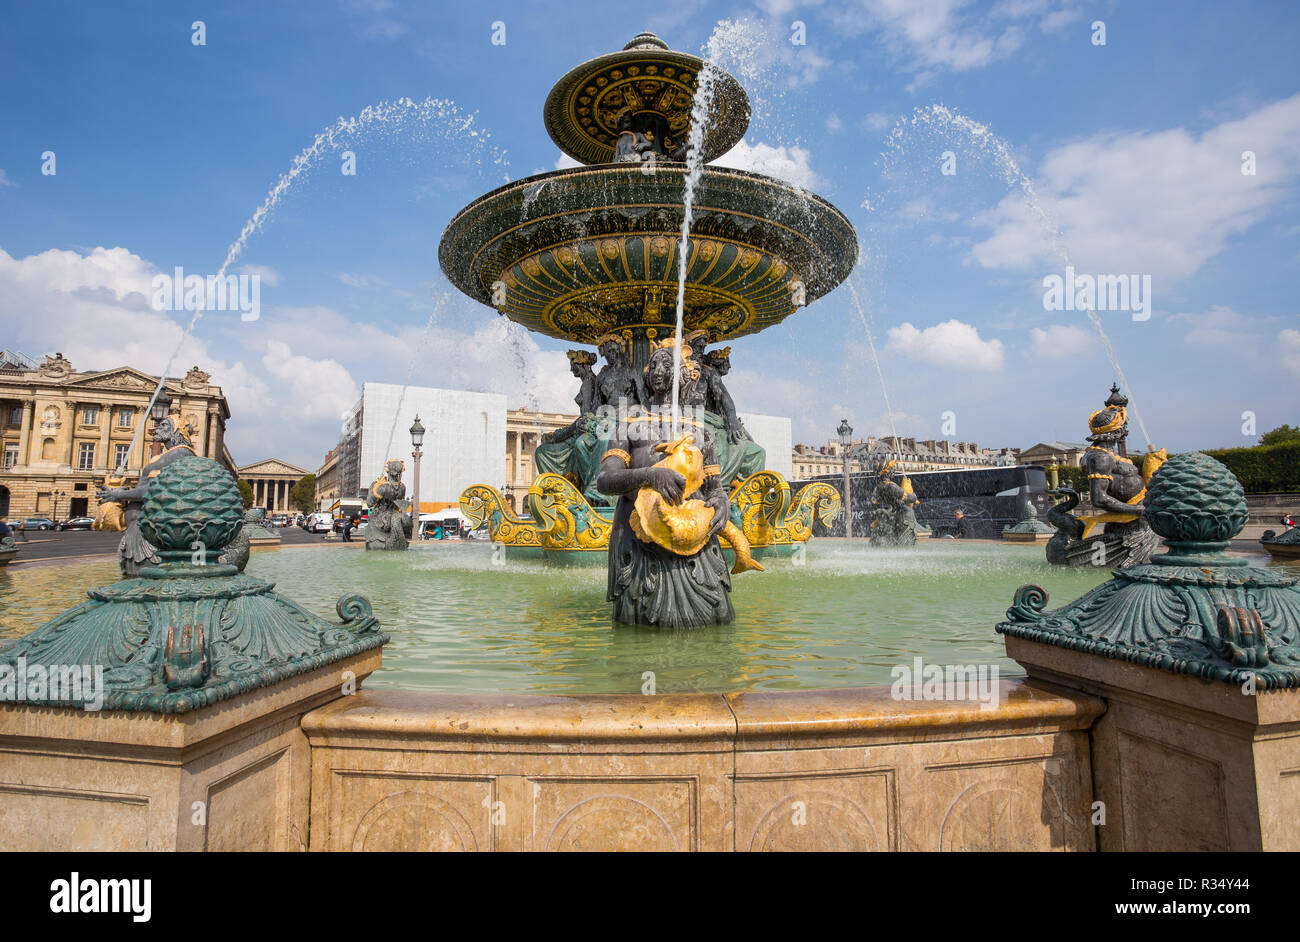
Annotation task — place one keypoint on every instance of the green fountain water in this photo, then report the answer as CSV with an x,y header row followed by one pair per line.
x,y
460,623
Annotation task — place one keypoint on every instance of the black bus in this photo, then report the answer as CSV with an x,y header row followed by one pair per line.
x,y
988,498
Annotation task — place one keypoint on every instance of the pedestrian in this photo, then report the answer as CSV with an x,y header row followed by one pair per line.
x,y
960,517
347,529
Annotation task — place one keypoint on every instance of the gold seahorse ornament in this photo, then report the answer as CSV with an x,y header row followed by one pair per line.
x,y
684,528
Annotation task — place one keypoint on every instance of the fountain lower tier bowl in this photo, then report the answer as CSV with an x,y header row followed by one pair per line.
x,y
580,253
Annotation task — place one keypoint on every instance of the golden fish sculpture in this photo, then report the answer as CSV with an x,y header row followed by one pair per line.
x,y
684,528
110,515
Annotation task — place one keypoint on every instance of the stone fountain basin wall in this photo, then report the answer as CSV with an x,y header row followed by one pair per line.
x,y
848,769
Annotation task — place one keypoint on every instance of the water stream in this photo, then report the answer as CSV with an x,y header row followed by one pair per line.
x,y
875,357
431,113
984,143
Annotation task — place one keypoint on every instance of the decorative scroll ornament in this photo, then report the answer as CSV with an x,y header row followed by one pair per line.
x,y
565,521
190,631
762,510
1194,610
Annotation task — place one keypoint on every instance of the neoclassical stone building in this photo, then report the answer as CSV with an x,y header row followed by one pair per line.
x,y
524,431
328,487
63,431
272,479
911,455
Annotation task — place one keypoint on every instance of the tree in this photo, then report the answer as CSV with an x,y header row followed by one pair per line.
x,y
303,494
1281,434
246,492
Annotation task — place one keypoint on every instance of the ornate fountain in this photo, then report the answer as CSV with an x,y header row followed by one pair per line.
x,y
590,255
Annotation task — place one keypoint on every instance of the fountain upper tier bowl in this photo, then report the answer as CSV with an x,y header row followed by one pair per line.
x,y
579,253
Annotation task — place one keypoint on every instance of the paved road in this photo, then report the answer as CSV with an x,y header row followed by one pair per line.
x,y
61,544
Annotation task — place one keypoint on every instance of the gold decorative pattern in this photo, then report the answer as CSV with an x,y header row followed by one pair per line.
x,y
583,109
574,265
565,521
579,292
482,504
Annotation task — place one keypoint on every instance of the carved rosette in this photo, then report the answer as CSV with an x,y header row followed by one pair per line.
x,y
1194,610
192,631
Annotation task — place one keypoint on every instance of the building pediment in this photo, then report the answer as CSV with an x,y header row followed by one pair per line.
x,y
125,378
272,466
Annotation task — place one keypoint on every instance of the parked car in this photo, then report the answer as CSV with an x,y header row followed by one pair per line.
x,y
320,523
78,523
279,520
37,523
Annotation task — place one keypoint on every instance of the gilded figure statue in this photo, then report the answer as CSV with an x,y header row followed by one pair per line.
x,y
1116,535
666,566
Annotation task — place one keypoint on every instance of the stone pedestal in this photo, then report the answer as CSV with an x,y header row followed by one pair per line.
x,y
1182,763
1197,656
231,776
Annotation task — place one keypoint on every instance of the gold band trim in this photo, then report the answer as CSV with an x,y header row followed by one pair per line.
x,y
1116,456
617,453
711,470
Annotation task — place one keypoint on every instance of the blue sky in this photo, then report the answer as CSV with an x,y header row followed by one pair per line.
x,y
1134,148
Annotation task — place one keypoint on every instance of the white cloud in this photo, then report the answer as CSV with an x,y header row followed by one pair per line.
x,y
1220,326
266,273
1159,203
790,164
1061,340
4,180
1288,342
116,271
876,121
320,389
563,162
94,308
928,34
833,123
361,281
779,8
952,344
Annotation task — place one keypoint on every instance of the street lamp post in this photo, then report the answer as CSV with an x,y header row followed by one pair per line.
x,y
55,495
161,409
845,432
417,439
